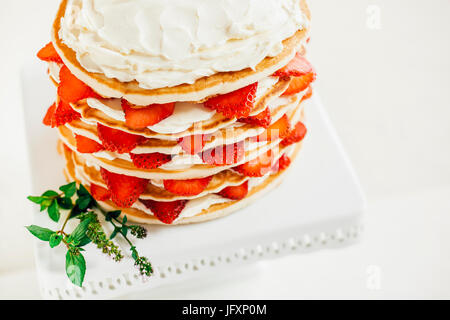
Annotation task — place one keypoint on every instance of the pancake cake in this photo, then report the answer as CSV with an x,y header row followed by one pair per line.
x,y
179,111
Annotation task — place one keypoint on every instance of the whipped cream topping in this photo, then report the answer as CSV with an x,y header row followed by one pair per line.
x,y
164,43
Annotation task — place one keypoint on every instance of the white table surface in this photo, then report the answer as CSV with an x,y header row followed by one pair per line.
x,y
386,88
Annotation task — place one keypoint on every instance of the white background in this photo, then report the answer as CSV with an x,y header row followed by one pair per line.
x,y
387,90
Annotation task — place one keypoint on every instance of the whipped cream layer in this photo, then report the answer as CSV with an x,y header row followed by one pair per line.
x,y
164,43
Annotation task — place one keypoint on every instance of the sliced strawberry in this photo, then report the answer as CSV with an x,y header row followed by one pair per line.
x,y
278,130
118,141
140,118
283,163
86,145
262,119
308,94
166,212
62,114
299,84
224,155
72,90
125,190
49,115
187,188
237,104
296,135
258,167
150,160
193,144
295,68
100,193
49,54
235,193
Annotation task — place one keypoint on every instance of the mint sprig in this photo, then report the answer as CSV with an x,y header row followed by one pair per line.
x,y
79,204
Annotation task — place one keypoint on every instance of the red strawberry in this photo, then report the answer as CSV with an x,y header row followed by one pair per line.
x,y
166,212
118,141
295,68
283,163
187,188
278,130
72,90
140,118
235,193
100,193
258,167
308,94
299,84
224,155
60,114
237,104
86,145
296,135
150,160
49,54
125,190
49,115
262,119
193,144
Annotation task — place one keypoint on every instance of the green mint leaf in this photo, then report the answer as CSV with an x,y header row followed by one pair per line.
x,y
75,212
75,268
125,220
69,189
134,253
37,200
53,211
124,231
43,234
84,202
114,233
45,204
55,240
65,203
82,191
50,194
113,215
80,232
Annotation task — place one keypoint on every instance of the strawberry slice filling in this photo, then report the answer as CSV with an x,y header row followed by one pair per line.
x,y
235,192
125,190
118,141
71,89
143,117
295,135
297,67
86,145
187,188
281,164
166,212
224,155
100,193
193,144
49,54
237,104
278,130
150,161
298,84
263,119
258,167
59,114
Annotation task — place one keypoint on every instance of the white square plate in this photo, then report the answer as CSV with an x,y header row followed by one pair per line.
x,y
320,204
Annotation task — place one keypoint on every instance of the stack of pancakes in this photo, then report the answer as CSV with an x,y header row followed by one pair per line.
x,y
180,154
